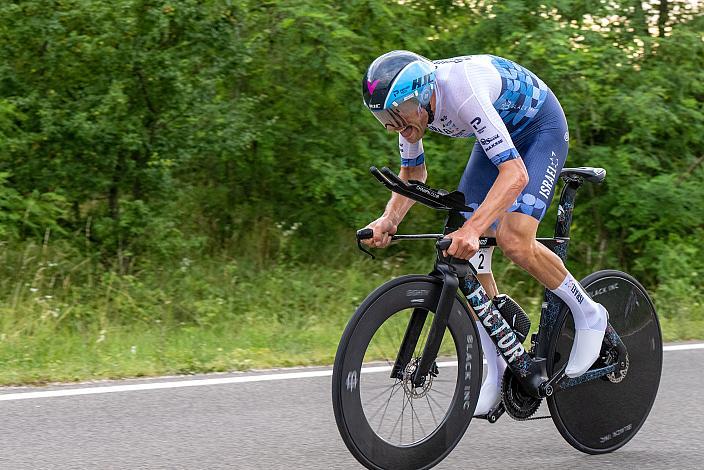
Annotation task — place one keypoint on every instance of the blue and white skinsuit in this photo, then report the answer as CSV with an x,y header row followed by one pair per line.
x,y
512,113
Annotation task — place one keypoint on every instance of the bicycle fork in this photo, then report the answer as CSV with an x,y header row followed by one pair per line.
x,y
435,335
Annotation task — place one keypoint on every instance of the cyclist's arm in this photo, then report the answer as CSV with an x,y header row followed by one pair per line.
x,y
398,205
512,178
412,168
498,146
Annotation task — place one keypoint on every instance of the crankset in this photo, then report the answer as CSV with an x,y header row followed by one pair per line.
x,y
518,404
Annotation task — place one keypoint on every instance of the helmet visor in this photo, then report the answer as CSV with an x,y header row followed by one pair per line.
x,y
395,118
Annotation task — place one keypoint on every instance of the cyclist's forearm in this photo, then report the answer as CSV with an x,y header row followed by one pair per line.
x,y
512,179
398,205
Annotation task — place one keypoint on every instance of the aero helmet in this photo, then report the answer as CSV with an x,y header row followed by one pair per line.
x,y
398,79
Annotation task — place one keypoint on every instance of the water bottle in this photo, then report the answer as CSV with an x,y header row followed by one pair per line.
x,y
514,315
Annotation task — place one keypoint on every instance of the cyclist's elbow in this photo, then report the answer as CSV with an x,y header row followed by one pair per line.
x,y
522,179
518,177
515,174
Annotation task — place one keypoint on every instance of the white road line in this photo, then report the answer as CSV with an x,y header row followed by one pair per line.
x,y
68,392
683,347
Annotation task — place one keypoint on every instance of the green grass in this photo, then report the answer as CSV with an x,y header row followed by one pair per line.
x,y
66,320
124,352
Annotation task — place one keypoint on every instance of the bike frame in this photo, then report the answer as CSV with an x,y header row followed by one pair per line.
x,y
530,368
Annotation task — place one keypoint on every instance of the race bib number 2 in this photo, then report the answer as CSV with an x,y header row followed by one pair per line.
x,y
482,260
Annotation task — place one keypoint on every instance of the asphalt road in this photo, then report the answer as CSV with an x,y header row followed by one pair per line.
x,y
289,424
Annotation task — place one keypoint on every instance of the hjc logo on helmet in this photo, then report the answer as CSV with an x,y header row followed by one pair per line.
x,y
424,80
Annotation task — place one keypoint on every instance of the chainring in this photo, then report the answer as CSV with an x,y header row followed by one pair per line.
x,y
519,405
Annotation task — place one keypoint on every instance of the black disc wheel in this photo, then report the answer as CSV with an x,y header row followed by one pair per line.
x,y
386,420
602,415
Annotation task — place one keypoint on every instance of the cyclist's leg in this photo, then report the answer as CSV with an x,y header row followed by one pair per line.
x,y
478,177
476,181
516,238
543,146
544,152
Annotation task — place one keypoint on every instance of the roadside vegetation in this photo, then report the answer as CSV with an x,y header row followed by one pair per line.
x,y
180,181
66,323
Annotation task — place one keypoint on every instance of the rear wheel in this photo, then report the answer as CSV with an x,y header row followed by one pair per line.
x,y
385,421
604,414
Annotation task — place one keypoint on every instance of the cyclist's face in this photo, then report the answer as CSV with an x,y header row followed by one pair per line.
x,y
409,119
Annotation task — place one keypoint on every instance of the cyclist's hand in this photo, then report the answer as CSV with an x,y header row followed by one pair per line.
x,y
465,242
383,229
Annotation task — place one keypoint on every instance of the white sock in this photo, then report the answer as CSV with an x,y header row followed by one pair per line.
x,y
586,313
490,393
590,320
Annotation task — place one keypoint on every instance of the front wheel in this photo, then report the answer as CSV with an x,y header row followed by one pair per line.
x,y
385,421
602,415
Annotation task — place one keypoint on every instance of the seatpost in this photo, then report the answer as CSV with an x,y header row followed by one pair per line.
x,y
564,213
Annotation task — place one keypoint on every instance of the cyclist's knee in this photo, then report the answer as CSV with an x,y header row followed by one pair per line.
x,y
517,247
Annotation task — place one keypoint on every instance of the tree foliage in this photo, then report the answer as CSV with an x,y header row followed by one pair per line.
x,y
159,128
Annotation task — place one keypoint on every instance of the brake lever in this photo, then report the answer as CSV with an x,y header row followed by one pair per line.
x,y
364,234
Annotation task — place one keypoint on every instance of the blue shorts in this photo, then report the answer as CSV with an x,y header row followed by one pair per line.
x,y
542,145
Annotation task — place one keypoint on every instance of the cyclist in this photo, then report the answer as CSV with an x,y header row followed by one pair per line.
x,y
521,146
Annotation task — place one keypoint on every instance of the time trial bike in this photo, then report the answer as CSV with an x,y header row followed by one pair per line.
x,y
408,368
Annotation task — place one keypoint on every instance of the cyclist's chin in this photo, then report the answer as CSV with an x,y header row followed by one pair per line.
x,y
413,133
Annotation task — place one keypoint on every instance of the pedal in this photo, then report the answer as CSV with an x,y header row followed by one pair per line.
x,y
494,414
